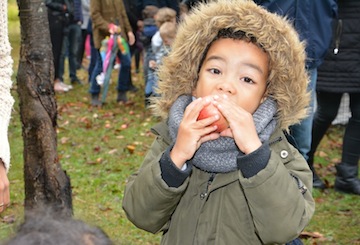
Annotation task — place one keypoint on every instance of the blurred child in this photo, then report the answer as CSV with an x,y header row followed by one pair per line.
x,y
45,225
244,184
164,14
147,32
167,33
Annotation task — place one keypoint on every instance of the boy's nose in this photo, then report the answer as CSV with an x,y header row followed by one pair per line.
x,y
226,87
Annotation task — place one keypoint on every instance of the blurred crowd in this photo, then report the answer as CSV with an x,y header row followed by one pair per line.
x,y
100,36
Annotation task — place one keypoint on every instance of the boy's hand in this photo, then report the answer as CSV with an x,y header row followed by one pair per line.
x,y
241,122
114,28
192,132
152,64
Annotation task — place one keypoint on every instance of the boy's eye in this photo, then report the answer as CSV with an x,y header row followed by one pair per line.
x,y
215,71
247,80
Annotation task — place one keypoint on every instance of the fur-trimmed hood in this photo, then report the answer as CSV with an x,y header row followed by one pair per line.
x,y
287,80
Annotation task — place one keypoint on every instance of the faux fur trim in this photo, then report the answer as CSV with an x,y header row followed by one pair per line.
x,y
287,80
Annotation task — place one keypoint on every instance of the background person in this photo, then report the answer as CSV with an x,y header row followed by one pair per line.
x,y
109,17
340,73
6,105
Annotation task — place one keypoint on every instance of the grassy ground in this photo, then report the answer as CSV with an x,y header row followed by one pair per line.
x,y
100,148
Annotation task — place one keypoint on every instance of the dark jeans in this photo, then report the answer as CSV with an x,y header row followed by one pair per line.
x,y
328,105
302,131
70,49
93,57
124,80
296,241
81,48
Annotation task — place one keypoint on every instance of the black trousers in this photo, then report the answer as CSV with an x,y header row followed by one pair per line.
x,y
57,27
327,108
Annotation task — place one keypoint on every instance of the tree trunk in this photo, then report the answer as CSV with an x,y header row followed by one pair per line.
x,y
45,181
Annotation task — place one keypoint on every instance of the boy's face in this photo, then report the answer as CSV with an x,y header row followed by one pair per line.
x,y
236,68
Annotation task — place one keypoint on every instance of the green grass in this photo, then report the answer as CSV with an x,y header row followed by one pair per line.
x,y
93,146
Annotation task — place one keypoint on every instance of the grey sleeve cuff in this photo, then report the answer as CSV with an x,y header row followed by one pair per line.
x,y
170,173
254,162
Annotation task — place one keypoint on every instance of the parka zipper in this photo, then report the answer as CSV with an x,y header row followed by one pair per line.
x,y
204,194
338,36
278,139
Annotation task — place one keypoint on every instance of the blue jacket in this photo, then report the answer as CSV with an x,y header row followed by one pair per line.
x,y
313,21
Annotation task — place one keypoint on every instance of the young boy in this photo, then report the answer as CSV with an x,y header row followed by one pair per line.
x,y
167,33
164,15
246,184
147,32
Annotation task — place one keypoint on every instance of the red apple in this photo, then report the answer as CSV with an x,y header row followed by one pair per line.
x,y
211,110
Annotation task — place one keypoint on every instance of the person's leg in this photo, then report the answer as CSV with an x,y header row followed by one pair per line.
x,y
81,48
347,171
57,34
74,39
124,81
327,108
94,86
302,131
63,54
93,57
138,50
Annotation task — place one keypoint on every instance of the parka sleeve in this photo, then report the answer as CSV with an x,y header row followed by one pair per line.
x,y
148,201
280,196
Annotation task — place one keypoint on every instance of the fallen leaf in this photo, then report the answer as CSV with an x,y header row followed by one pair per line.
x,y
102,208
315,234
9,219
131,148
112,151
322,154
105,138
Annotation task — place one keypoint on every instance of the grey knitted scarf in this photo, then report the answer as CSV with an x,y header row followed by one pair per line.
x,y
219,156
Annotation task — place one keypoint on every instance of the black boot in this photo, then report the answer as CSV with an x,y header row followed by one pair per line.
x,y
95,100
121,97
347,179
317,182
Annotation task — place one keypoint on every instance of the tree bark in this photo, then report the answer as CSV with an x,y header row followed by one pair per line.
x,y
45,181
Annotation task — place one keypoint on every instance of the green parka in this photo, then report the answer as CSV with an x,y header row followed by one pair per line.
x,y
271,207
